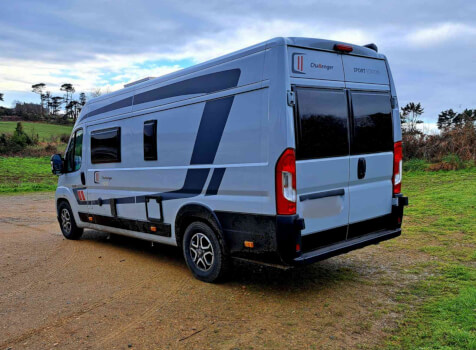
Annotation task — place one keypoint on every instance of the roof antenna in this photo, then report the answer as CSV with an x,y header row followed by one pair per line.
x,y
372,46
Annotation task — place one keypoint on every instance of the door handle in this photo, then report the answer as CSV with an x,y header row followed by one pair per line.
x,y
83,178
361,168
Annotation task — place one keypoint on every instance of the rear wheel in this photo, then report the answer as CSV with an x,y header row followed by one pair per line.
x,y
203,252
67,223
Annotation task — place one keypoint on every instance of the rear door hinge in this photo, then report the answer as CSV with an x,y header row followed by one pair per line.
x,y
393,102
291,98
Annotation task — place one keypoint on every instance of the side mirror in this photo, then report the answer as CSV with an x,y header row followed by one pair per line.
x,y
56,164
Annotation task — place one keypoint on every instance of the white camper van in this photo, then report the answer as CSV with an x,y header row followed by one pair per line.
x,y
286,153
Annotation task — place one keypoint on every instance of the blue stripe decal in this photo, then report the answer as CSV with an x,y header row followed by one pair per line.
x,y
193,186
215,182
210,131
203,84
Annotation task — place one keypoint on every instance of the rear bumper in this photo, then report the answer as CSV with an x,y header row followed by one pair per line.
x,y
277,239
345,246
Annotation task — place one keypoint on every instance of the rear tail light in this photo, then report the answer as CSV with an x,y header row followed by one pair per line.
x,y
343,48
286,183
397,167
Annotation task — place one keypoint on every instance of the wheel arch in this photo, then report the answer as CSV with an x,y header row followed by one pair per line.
x,y
196,212
59,200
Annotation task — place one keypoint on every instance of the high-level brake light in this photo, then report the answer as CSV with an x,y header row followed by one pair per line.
x,y
286,193
397,167
343,48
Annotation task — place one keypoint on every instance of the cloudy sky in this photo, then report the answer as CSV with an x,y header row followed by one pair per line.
x,y
431,45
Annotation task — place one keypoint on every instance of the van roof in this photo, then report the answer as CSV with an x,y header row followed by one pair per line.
x,y
311,43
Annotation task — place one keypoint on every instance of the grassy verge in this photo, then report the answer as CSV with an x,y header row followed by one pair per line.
x,y
440,224
26,175
46,132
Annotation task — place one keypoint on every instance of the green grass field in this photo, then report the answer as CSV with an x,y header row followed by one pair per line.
x,y
26,175
440,225
44,131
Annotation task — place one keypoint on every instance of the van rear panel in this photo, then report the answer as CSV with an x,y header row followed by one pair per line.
x,y
344,143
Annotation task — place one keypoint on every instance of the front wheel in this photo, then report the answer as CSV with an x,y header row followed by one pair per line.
x,y
67,223
203,252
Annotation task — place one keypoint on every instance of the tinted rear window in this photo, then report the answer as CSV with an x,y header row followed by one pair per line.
x,y
372,131
106,146
321,124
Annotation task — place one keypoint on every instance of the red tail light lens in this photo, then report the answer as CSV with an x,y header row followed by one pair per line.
x,y
342,47
397,167
286,183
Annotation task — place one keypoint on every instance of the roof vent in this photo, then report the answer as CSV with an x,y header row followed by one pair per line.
x,y
372,46
138,81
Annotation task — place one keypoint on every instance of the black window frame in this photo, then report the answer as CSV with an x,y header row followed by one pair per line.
x,y
298,122
119,146
153,146
72,143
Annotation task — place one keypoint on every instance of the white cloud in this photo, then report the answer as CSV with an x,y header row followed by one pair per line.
x,y
440,33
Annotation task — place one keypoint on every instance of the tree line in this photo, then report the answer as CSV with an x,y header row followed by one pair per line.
x,y
410,117
451,148
51,105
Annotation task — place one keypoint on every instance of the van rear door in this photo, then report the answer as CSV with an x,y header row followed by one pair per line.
x,y
371,147
322,166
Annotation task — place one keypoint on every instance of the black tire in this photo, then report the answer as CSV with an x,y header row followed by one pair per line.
x,y
205,267
67,223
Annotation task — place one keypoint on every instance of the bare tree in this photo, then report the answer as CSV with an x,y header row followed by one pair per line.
x,y
1,97
38,89
96,92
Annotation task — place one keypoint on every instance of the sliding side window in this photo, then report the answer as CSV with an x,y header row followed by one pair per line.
x,y
321,124
106,146
150,140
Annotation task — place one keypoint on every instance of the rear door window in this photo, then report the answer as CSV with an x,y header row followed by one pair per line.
x,y
372,123
321,123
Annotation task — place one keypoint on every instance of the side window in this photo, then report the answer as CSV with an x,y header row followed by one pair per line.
x,y
68,156
106,146
78,149
150,140
73,156
322,124
372,131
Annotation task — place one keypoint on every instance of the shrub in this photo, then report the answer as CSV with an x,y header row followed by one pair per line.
x,y
18,141
51,149
64,138
448,162
460,141
415,165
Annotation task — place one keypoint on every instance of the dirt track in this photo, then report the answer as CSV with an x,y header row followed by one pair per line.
x,y
122,293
